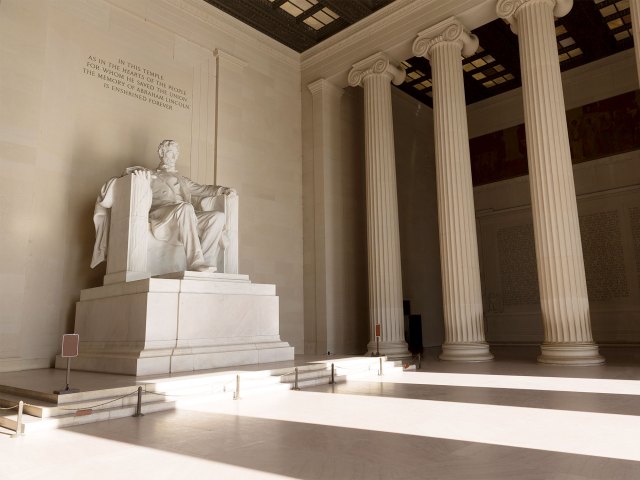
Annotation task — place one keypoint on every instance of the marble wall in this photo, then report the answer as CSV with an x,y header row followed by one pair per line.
x,y
90,87
608,192
335,237
418,213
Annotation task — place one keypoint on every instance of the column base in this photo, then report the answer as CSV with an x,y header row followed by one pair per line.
x,y
577,354
394,349
466,352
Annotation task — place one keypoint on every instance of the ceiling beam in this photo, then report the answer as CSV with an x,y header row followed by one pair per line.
x,y
309,12
273,22
350,10
473,90
501,43
585,24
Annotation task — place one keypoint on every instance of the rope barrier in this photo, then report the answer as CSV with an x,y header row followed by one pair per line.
x,y
135,392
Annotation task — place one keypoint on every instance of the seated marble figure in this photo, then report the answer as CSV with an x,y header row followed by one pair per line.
x,y
161,222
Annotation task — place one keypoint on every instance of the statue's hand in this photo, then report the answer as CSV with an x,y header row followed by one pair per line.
x,y
144,175
229,192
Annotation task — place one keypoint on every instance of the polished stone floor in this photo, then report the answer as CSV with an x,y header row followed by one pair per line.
x,y
507,419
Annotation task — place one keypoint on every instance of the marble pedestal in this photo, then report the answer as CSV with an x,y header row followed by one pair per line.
x,y
178,323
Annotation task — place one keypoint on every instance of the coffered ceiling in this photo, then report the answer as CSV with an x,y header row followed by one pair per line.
x,y
592,30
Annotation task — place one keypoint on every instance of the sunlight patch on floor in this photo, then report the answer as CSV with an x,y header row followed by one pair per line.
x,y
554,384
584,433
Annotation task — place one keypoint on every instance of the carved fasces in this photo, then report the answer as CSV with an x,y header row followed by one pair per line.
x,y
129,227
139,220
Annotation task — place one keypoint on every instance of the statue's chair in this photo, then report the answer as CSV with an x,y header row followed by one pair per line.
x,y
133,253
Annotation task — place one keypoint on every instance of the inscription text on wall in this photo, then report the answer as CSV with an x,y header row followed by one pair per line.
x,y
132,80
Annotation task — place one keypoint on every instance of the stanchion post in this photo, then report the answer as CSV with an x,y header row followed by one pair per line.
x,y
139,404
333,374
70,344
19,420
236,394
380,369
295,380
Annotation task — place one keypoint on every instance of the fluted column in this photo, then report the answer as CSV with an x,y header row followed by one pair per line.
x,y
635,26
563,286
443,44
375,74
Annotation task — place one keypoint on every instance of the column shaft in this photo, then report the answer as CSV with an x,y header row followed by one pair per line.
x,y
634,5
462,296
383,235
561,275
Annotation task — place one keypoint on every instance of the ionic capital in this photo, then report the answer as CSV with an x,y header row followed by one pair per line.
x,y
509,9
377,64
449,30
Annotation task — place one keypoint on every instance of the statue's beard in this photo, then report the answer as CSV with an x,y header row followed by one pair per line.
x,y
167,168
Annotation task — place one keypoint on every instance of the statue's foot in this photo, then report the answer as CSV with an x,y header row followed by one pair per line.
x,y
205,268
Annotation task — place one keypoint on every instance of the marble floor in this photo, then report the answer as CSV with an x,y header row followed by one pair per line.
x,y
507,419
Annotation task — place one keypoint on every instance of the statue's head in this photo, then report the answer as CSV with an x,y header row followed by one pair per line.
x,y
168,151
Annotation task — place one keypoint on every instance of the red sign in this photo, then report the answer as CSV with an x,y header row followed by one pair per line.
x,y
378,330
70,345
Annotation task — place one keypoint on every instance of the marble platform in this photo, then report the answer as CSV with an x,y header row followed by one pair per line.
x,y
179,322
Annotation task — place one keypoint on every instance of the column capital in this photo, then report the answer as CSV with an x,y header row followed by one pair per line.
x,y
377,64
324,85
508,9
449,30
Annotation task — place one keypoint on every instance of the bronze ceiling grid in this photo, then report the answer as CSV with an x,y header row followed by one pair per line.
x,y
593,29
270,18
583,35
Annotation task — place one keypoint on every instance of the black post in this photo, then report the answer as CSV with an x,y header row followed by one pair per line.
x,y
295,382
139,405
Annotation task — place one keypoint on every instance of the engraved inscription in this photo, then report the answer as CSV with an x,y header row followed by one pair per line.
x,y
603,256
518,272
132,80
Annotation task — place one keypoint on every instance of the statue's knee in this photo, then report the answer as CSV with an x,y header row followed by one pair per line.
x,y
186,208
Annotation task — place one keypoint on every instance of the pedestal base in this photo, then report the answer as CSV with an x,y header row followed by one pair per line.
x,y
578,354
466,352
192,321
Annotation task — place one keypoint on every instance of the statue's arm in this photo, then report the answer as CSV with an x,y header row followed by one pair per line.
x,y
198,190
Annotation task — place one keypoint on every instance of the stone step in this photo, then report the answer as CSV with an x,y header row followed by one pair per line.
x,y
32,424
99,400
43,410
68,398
353,369
206,385
314,382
